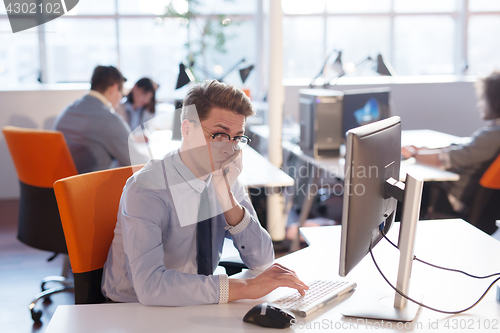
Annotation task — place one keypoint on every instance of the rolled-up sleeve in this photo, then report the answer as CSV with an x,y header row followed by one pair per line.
x,y
143,212
480,150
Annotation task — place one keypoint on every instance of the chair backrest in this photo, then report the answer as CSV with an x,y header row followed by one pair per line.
x,y
88,204
41,157
491,178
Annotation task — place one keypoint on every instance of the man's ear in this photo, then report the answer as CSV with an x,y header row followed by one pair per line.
x,y
186,128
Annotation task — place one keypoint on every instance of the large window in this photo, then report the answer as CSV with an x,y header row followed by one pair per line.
x,y
130,34
424,37
19,56
75,46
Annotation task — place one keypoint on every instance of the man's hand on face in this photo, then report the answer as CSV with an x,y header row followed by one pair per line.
x,y
224,179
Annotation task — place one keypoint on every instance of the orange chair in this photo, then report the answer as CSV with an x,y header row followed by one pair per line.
x,y
491,178
486,207
41,157
88,204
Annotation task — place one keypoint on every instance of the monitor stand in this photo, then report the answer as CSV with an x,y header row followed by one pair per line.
x,y
396,308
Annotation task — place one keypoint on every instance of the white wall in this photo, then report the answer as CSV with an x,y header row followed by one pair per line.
x,y
445,104
30,107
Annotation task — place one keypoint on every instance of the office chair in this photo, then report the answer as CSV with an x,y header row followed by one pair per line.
x,y
486,208
88,204
41,157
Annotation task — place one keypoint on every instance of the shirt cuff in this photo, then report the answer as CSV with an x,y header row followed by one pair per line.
x,y
444,158
241,225
223,288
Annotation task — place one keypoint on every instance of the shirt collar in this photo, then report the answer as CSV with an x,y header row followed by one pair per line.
x,y
494,122
197,184
100,97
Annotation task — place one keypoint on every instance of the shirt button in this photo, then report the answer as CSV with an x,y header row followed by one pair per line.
x,y
243,247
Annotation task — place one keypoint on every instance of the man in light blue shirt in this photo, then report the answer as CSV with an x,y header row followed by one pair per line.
x,y
155,255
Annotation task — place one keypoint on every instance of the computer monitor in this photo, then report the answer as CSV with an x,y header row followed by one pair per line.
x,y
371,192
364,106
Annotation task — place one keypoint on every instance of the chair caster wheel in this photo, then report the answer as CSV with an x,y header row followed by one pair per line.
x,y
36,316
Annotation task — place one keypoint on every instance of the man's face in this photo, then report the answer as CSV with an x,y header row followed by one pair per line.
x,y
218,121
141,97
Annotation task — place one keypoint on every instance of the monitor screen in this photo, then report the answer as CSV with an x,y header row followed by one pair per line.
x,y
373,155
364,106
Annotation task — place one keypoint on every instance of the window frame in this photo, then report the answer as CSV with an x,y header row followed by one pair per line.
x,y
462,16
44,76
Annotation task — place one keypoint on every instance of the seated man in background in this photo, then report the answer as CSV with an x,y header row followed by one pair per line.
x,y
470,160
96,135
175,213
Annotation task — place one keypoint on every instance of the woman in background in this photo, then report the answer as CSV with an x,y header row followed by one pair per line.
x,y
139,106
470,160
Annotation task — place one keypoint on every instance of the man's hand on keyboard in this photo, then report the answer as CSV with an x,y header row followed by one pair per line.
x,y
272,278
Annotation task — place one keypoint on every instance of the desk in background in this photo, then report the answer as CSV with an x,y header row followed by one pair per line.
x,y
332,168
335,166
452,243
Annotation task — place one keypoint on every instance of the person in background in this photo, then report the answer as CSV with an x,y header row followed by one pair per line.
x,y
139,106
96,135
469,160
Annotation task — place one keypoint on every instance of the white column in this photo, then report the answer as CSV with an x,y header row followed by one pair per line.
x,y
276,98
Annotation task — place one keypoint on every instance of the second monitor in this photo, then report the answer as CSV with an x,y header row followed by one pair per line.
x,y
326,115
364,106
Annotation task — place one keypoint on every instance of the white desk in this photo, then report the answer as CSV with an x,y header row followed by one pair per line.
x,y
334,167
430,139
453,243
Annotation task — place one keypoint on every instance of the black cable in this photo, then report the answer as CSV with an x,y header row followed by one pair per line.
x,y
421,304
440,267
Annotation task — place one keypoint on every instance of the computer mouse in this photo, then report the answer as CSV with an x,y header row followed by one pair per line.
x,y
269,315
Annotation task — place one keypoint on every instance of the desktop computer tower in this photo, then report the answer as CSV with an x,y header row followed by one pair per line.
x,y
320,118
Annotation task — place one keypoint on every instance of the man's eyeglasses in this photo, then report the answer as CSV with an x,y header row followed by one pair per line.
x,y
239,141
